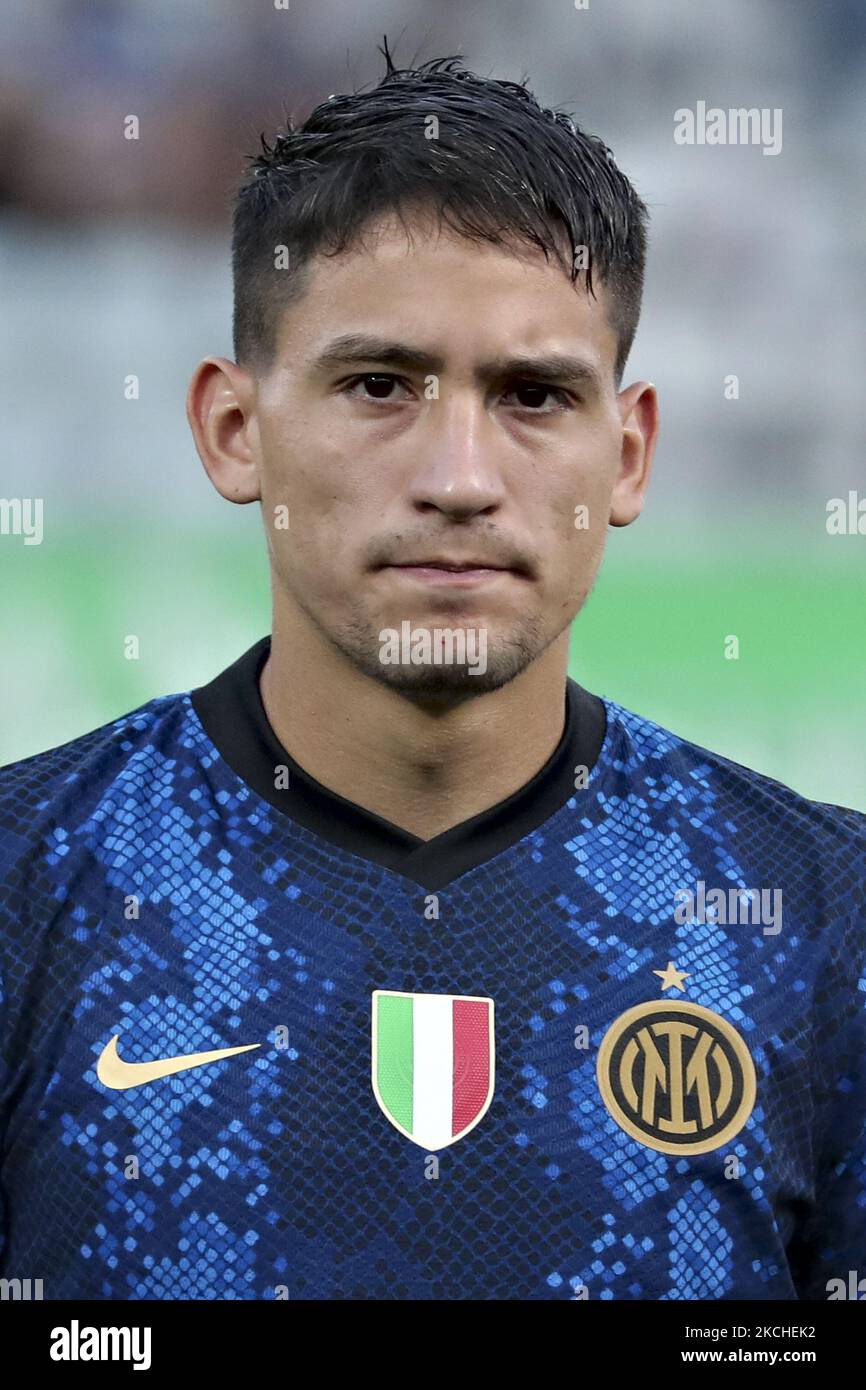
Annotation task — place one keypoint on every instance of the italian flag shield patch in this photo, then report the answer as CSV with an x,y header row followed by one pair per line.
x,y
433,1063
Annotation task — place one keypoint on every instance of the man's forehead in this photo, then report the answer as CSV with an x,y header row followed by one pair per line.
x,y
348,296
388,239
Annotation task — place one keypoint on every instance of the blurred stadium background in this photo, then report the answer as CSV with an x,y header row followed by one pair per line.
x,y
114,259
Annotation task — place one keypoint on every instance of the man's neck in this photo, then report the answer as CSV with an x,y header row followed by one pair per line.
x,y
420,769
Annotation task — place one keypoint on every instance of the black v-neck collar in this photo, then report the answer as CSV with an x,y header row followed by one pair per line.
x,y
233,716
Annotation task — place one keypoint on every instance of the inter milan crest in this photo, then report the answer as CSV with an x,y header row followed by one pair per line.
x,y
433,1063
676,1076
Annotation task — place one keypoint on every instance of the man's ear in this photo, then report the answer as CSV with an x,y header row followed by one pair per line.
x,y
639,412
220,408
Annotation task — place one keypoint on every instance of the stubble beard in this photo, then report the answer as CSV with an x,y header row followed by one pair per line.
x,y
506,656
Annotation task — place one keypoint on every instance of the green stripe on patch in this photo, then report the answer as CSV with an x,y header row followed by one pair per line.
x,y
395,1057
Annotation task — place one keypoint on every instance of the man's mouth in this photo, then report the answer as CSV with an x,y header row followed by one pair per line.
x,y
458,566
459,572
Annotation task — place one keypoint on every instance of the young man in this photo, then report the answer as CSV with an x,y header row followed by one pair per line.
x,y
392,963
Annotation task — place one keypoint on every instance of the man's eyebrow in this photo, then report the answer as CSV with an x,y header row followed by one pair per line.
x,y
559,368
354,349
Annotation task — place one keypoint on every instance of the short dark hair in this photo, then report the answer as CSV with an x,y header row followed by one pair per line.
x,y
501,167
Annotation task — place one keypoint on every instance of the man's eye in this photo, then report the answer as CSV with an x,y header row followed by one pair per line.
x,y
532,394
377,386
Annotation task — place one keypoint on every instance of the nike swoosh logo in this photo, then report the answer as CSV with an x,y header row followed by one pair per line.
x,y
118,1075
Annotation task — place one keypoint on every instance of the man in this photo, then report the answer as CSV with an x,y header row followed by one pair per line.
x,y
392,963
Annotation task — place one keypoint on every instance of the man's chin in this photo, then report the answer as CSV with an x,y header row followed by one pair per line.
x,y
424,670
445,682
449,682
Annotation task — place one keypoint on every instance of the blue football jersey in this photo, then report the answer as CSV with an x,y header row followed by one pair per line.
x,y
605,1040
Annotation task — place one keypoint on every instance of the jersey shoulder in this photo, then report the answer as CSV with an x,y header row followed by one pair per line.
x,y
44,796
654,756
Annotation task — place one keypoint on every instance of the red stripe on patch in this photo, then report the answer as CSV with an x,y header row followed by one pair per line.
x,y
471,1026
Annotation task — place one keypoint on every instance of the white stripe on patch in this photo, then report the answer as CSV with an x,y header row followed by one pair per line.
x,y
433,1068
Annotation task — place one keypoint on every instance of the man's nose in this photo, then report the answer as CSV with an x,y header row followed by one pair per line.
x,y
458,467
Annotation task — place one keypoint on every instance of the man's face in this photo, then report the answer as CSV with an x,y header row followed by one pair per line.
x,y
438,448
